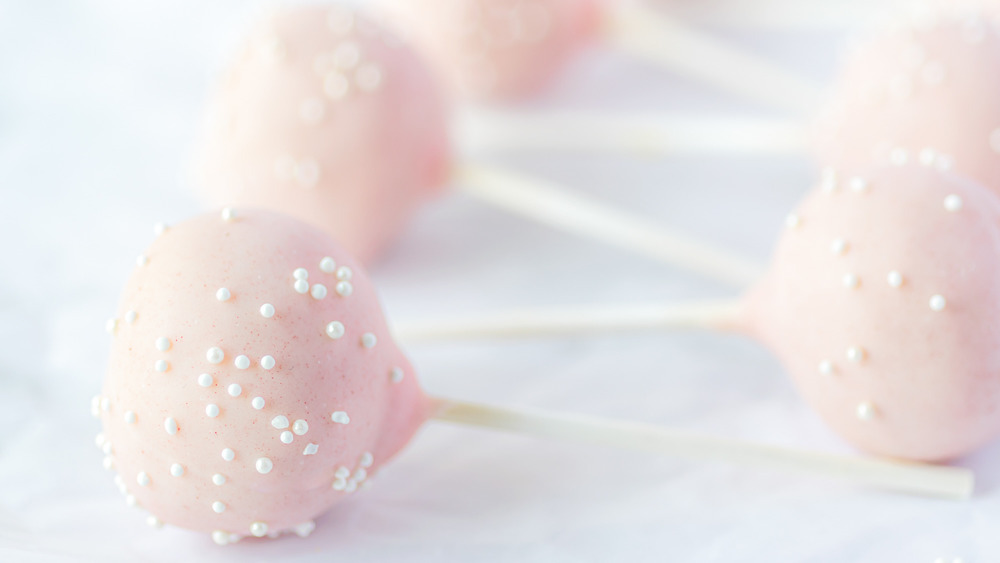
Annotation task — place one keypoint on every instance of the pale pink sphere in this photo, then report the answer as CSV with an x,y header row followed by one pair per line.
x,y
236,404
926,93
497,48
882,302
327,117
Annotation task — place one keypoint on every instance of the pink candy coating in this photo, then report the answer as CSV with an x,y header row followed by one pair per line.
x,y
172,412
922,93
326,117
497,48
882,302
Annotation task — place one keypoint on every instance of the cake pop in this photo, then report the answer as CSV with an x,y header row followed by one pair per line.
x,y
510,48
329,119
881,301
253,383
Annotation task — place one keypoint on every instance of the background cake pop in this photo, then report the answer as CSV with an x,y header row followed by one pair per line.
x,y
253,383
328,118
922,91
508,48
881,302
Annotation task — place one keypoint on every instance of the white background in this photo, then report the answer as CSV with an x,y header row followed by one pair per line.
x,y
99,107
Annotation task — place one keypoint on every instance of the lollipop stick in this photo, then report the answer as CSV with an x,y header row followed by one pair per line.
x,y
915,478
651,134
562,210
658,38
575,320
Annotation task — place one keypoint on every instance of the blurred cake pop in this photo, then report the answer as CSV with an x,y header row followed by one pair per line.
x,y
255,384
329,119
881,302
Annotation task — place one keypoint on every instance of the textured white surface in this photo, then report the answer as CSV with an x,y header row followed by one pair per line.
x,y
99,106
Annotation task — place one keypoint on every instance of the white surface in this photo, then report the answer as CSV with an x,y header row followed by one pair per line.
x,y
99,104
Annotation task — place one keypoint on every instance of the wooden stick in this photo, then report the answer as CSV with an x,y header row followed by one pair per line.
x,y
906,477
654,36
560,209
650,134
574,321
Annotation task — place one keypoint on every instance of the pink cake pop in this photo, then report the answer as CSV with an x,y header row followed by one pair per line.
x,y
254,368
926,93
881,301
498,48
326,117
253,383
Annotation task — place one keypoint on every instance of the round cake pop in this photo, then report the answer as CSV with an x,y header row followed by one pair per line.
x,y
253,382
923,92
325,116
497,48
881,301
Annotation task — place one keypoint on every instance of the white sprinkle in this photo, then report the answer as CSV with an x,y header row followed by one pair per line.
x,y
161,366
339,484
267,310
828,181
212,410
340,417
234,389
928,157
865,411
177,470
300,274
220,537
336,85
228,454
301,286
241,362
352,485
130,417
280,422
257,403
258,529
344,273
895,279
311,449
219,479
108,463
851,281
792,221
131,500
318,291
218,507
327,265
858,185
95,406
360,474
142,478
304,529
205,380
855,354
937,303
396,375
228,214
346,55
335,330
267,362
839,246
264,465
826,367
111,326
368,77
141,260
342,472
300,427
105,404
898,156
130,317
287,437
215,355
223,294
366,459
107,448
100,439
953,203
170,425
344,288
368,340
163,344
154,522
160,228
311,110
